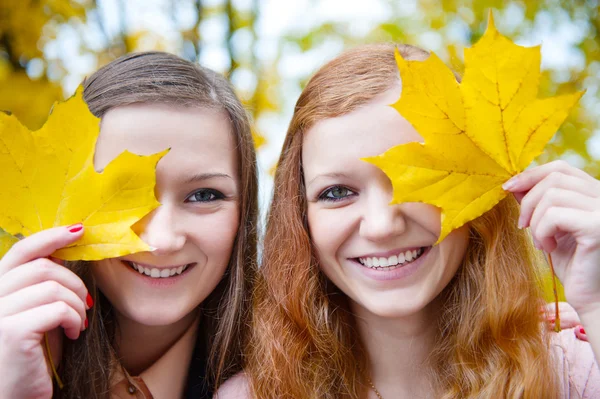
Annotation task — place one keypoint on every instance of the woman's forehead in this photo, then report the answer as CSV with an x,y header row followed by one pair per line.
x,y
367,131
190,133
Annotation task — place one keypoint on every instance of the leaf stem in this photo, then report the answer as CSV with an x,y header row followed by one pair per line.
x,y
555,292
54,372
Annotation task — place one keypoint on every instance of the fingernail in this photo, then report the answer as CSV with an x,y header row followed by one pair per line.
x,y
89,301
581,330
520,224
551,320
85,323
511,183
74,228
536,244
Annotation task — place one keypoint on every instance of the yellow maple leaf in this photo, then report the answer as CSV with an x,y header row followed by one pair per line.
x,y
477,134
6,241
49,180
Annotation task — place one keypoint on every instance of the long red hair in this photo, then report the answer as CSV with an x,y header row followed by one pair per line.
x,y
304,343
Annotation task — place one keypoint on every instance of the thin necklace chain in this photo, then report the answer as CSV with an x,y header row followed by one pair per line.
x,y
373,388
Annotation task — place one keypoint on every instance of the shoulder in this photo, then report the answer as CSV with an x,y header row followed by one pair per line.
x,y
237,387
576,364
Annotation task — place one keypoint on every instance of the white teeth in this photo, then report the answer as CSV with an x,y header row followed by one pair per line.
x,y
394,260
158,273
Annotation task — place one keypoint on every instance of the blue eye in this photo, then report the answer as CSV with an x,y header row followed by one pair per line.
x,y
205,195
336,193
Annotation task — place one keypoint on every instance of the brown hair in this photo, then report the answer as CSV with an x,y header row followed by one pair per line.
x,y
156,77
304,343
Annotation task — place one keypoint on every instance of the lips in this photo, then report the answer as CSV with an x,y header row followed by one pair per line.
x,y
402,258
158,272
400,271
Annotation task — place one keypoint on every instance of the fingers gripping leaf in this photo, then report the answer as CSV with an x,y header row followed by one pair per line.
x,y
477,134
49,180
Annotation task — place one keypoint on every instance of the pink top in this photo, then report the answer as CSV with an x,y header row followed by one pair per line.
x,y
579,373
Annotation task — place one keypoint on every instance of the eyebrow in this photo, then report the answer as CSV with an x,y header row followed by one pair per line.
x,y
206,176
334,175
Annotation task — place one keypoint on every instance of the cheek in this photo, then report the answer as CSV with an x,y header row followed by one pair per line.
x,y
214,234
317,225
455,247
325,241
427,216
106,272
329,229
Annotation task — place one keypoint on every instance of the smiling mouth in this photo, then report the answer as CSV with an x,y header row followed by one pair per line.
x,y
392,262
154,272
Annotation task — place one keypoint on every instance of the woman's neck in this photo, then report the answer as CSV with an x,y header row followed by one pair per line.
x,y
140,346
398,349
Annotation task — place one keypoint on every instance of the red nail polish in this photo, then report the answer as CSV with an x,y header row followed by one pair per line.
x,y
581,330
89,301
74,228
86,323
552,320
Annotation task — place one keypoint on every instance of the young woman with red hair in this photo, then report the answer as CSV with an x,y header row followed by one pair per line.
x,y
356,301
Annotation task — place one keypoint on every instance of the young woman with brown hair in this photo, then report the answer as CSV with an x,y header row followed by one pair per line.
x,y
163,324
354,300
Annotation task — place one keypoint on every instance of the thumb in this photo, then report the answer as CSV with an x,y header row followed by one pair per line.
x,y
40,245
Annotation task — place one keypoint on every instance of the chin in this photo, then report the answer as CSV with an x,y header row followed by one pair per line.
x,y
396,306
156,320
394,311
156,314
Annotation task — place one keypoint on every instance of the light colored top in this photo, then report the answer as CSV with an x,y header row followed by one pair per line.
x,y
579,374
237,387
165,379
578,370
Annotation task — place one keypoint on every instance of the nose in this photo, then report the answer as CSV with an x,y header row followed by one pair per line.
x,y
159,230
380,220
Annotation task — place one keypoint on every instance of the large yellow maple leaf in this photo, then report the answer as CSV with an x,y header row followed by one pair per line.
x,y
477,133
48,180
